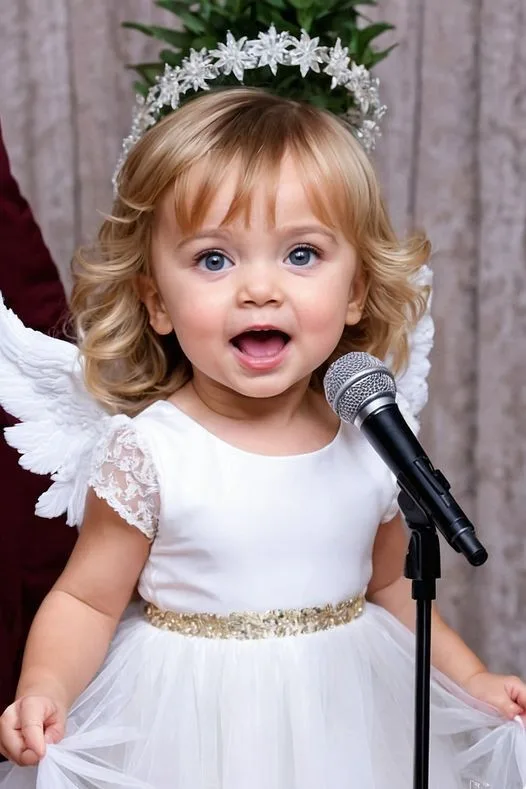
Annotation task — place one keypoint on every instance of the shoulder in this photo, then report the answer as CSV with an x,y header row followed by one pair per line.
x,y
352,437
145,437
123,472
125,448
381,479
362,453
123,439
123,430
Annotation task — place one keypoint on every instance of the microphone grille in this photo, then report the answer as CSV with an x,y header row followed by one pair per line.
x,y
355,379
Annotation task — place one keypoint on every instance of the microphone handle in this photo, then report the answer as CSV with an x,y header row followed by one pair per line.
x,y
392,438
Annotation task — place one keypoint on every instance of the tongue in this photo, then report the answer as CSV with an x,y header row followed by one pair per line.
x,y
260,344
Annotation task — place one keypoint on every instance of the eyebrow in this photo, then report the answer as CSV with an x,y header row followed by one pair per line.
x,y
285,231
319,229
208,233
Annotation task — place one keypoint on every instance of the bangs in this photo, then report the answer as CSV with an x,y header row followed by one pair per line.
x,y
329,166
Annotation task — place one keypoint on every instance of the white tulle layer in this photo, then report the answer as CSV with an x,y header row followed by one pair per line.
x,y
331,710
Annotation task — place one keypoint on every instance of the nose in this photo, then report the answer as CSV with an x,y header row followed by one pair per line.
x,y
259,285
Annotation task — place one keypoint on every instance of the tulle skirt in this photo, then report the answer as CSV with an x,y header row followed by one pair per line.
x,y
328,710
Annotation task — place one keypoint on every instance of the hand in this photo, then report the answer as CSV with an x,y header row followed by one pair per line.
x,y
27,725
506,693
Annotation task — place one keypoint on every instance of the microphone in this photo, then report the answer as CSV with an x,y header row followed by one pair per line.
x,y
361,389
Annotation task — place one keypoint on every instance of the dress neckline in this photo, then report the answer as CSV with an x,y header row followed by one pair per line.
x,y
166,404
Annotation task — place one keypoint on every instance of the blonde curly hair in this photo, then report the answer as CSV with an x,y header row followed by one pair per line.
x,y
127,364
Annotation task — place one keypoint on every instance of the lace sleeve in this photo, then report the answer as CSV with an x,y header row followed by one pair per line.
x,y
123,474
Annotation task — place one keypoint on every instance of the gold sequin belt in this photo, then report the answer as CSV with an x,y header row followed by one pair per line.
x,y
252,625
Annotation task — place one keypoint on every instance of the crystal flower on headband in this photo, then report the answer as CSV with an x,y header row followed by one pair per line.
x,y
270,49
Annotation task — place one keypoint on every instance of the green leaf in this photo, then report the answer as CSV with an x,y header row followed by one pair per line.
x,y
305,18
206,42
140,88
367,34
175,38
268,16
170,57
219,11
148,71
175,6
372,58
302,4
338,24
351,42
192,22
353,3
331,27
206,22
146,29
288,82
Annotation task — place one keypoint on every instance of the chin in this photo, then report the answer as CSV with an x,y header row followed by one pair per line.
x,y
261,392
261,389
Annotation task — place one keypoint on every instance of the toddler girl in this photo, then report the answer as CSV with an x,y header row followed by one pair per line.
x,y
271,646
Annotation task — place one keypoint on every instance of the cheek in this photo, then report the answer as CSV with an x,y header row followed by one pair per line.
x,y
196,312
194,320
325,310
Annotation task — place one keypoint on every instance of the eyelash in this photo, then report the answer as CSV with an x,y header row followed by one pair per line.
x,y
308,248
200,255
213,251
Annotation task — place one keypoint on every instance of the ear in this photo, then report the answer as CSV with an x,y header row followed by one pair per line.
x,y
160,321
357,296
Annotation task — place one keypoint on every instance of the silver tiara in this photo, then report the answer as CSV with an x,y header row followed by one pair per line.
x,y
271,49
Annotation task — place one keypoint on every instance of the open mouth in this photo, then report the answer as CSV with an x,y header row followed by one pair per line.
x,y
261,343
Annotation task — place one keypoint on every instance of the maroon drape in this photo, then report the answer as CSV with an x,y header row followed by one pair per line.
x,y
33,551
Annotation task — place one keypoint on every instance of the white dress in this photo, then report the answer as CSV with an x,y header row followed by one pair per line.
x,y
234,531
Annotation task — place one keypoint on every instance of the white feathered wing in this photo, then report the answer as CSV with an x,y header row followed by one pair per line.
x,y
41,384
412,385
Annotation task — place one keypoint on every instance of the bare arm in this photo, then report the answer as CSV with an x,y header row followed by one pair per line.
x,y
71,633
389,589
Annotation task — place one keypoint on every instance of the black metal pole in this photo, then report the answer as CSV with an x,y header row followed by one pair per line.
x,y
423,568
422,687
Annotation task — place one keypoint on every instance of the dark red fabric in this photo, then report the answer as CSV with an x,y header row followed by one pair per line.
x,y
33,551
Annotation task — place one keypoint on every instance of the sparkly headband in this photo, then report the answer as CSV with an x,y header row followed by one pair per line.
x,y
271,49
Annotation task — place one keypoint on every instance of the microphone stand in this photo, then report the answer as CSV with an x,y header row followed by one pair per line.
x,y
423,568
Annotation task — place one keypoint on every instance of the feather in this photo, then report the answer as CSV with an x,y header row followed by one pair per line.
x,y
41,384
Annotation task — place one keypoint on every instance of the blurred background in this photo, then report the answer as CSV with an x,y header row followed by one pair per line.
x,y
452,159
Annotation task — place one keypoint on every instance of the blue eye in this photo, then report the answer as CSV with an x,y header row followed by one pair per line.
x,y
302,256
214,261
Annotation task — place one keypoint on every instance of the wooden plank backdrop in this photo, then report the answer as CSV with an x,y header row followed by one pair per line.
x,y
452,159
